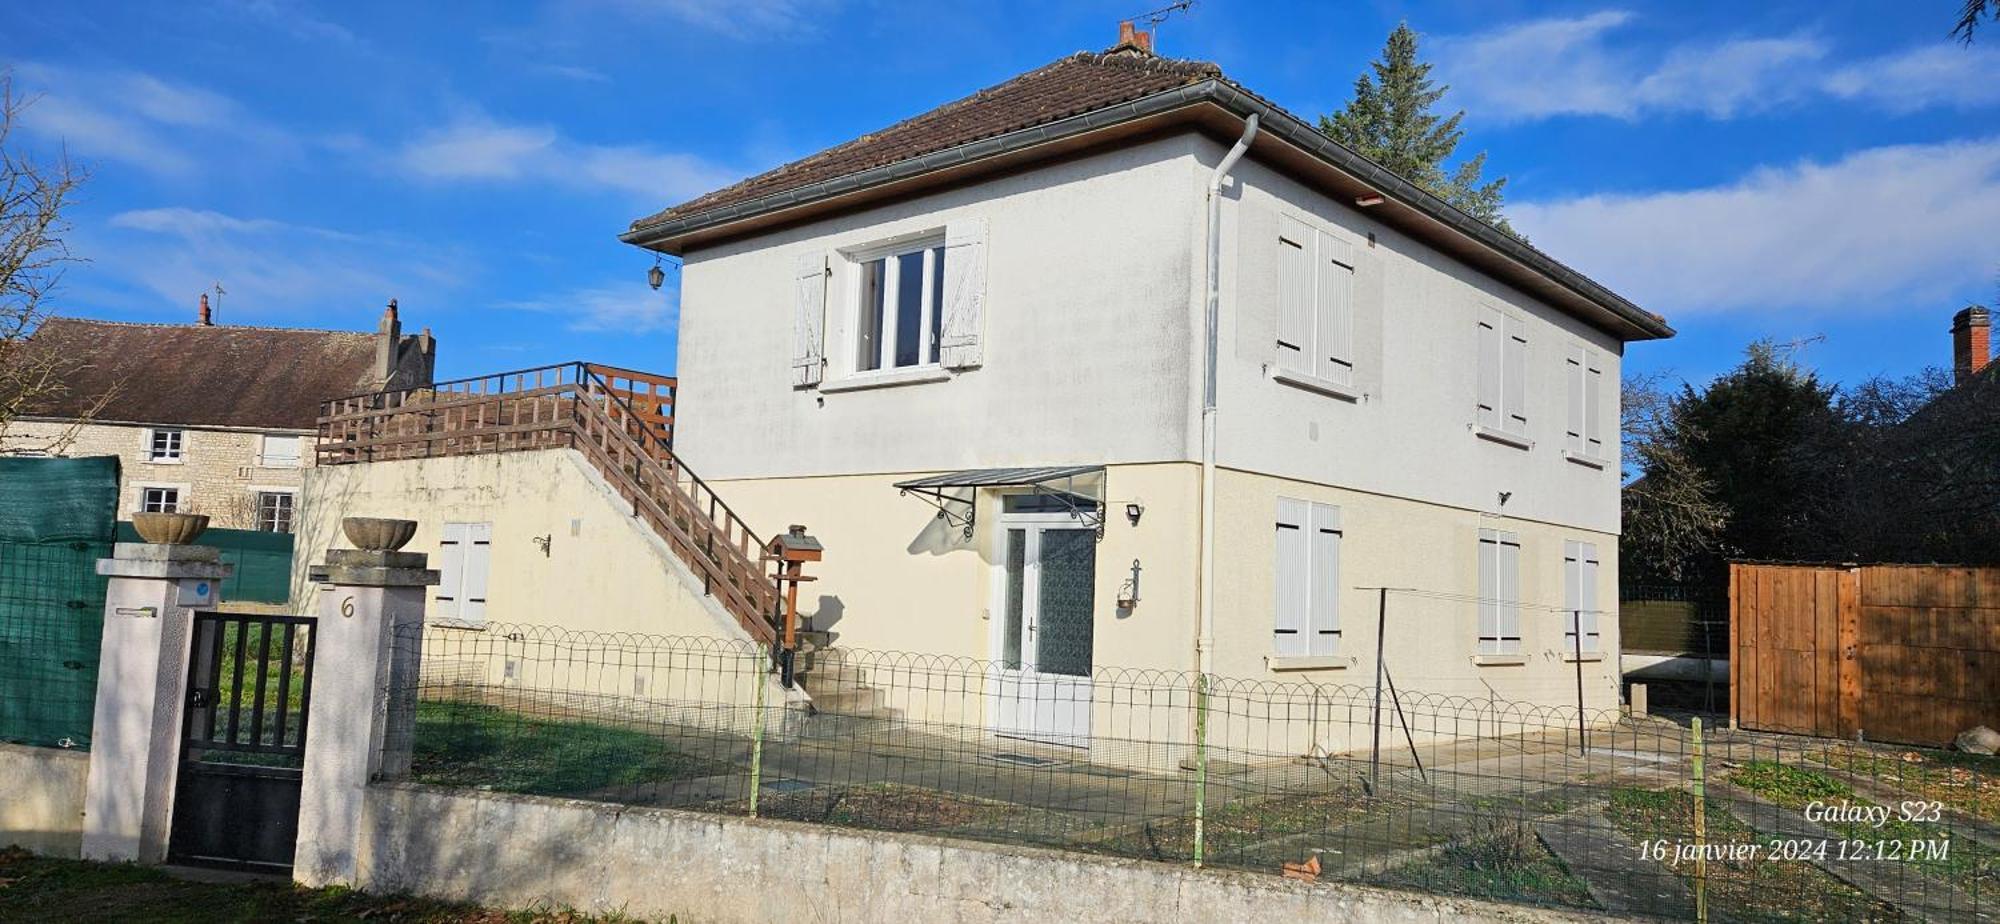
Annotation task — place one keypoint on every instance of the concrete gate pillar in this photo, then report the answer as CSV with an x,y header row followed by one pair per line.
x,y
141,689
368,646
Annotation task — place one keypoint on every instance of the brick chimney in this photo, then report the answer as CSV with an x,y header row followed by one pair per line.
x,y
1129,36
1971,342
388,343
203,318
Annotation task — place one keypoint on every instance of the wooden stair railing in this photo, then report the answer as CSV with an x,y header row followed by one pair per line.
x,y
622,421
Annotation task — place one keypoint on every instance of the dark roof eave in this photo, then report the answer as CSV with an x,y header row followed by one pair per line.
x,y
1274,121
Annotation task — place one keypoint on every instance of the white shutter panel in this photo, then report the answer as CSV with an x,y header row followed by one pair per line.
x,y
1295,296
451,569
1489,592
1334,359
1572,593
1291,622
1510,593
1490,353
809,320
1514,377
478,569
964,293
1324,615
1593,408
1587,598
1575,383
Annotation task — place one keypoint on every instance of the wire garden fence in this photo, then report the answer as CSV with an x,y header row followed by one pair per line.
x,y
1462,795
51,629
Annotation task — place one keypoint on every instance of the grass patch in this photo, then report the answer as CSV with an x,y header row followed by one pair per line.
x,y
41,889
1745,890
486,747
1968,783
912,809
1787,786
1240,832
1967,864
1497,858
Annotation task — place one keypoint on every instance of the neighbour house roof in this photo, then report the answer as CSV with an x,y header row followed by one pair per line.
x,y
207,375
1088,100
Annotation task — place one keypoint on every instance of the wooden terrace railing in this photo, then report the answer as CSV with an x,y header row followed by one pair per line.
x,y
621,420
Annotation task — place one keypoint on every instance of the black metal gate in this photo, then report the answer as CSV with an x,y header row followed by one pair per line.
x,y
236,799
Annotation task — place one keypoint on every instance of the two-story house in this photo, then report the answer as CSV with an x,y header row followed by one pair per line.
x,y
1119,364
206,418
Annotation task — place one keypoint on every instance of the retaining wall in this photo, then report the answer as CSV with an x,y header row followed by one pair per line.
x,y
41,799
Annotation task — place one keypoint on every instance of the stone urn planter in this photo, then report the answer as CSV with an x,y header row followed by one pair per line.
x,y
169,528
378,534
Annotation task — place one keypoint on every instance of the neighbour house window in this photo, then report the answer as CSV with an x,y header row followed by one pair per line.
x,y
1584,374
278,451
1308,579
465,562
899,316
163,445
1580,595
159,500
274,511
1315,304
1499,592
1503,375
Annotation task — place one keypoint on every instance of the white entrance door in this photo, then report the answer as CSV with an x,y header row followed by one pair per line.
x,y
1047,577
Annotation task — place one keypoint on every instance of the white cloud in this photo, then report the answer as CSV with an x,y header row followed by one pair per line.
x,y
625,307
134,118
1878,230
736,18
476,148
1578,67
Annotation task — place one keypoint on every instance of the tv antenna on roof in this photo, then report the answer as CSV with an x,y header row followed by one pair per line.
x,y
1150,21
219,293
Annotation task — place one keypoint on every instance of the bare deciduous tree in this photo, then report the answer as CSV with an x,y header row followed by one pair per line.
x,y
1672,519
33,195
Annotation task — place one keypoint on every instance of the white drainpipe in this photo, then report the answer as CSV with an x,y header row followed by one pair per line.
x,y
1205,643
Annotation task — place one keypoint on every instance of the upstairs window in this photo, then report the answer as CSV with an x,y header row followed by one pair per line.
x,y
1503,376
899,316
1499,592
1315,304
160,500
1308,580
163,445
1583,374
278,451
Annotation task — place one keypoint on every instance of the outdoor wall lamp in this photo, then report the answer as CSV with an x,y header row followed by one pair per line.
x,y
1133,511
1128,595
656,277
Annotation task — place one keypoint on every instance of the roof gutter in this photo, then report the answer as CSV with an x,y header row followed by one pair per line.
x,y
1277,124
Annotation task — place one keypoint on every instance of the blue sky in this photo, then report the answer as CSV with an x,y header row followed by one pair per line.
x,y
1776,169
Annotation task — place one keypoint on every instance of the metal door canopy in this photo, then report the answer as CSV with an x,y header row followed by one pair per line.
x,y
1079,489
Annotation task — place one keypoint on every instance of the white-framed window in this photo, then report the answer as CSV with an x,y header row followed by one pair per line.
x,y
164,444
159,500
274,511
1583,376
1307,622
1315,337
277,450
1580,596
465,564
1499,592
897,303
1503,374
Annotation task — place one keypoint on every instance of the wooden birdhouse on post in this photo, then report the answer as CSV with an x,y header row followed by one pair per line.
x,y
789,551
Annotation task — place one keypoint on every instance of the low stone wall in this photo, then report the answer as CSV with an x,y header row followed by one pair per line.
x,y
41,799
526,851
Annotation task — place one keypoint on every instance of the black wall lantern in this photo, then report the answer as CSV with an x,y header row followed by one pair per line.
x,y
656,277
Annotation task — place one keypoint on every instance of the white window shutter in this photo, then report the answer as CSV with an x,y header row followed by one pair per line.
x,y
1490,359
1574,383
1587,597
1489,592
1510,593
1334,308
1292,622
478,571
964,294
1324,614
1572,592
809,320
451,570
1514,377
1295,296
1593,408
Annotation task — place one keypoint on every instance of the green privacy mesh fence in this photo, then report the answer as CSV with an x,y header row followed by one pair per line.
x,y
56,519
263,561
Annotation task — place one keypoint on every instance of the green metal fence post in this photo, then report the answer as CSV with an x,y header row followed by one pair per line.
x,y
1700,829
757,744
1200,762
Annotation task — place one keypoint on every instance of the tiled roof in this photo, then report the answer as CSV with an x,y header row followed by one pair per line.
x,y
194,375
1082,82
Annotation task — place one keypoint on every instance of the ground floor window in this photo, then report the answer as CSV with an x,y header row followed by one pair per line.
x,y
1499,592
274,511
1307,620
160,500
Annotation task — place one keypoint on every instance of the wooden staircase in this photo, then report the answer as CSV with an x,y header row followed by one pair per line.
x,y
621,420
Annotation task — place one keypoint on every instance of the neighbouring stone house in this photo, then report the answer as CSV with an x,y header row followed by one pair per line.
x,y
206,418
